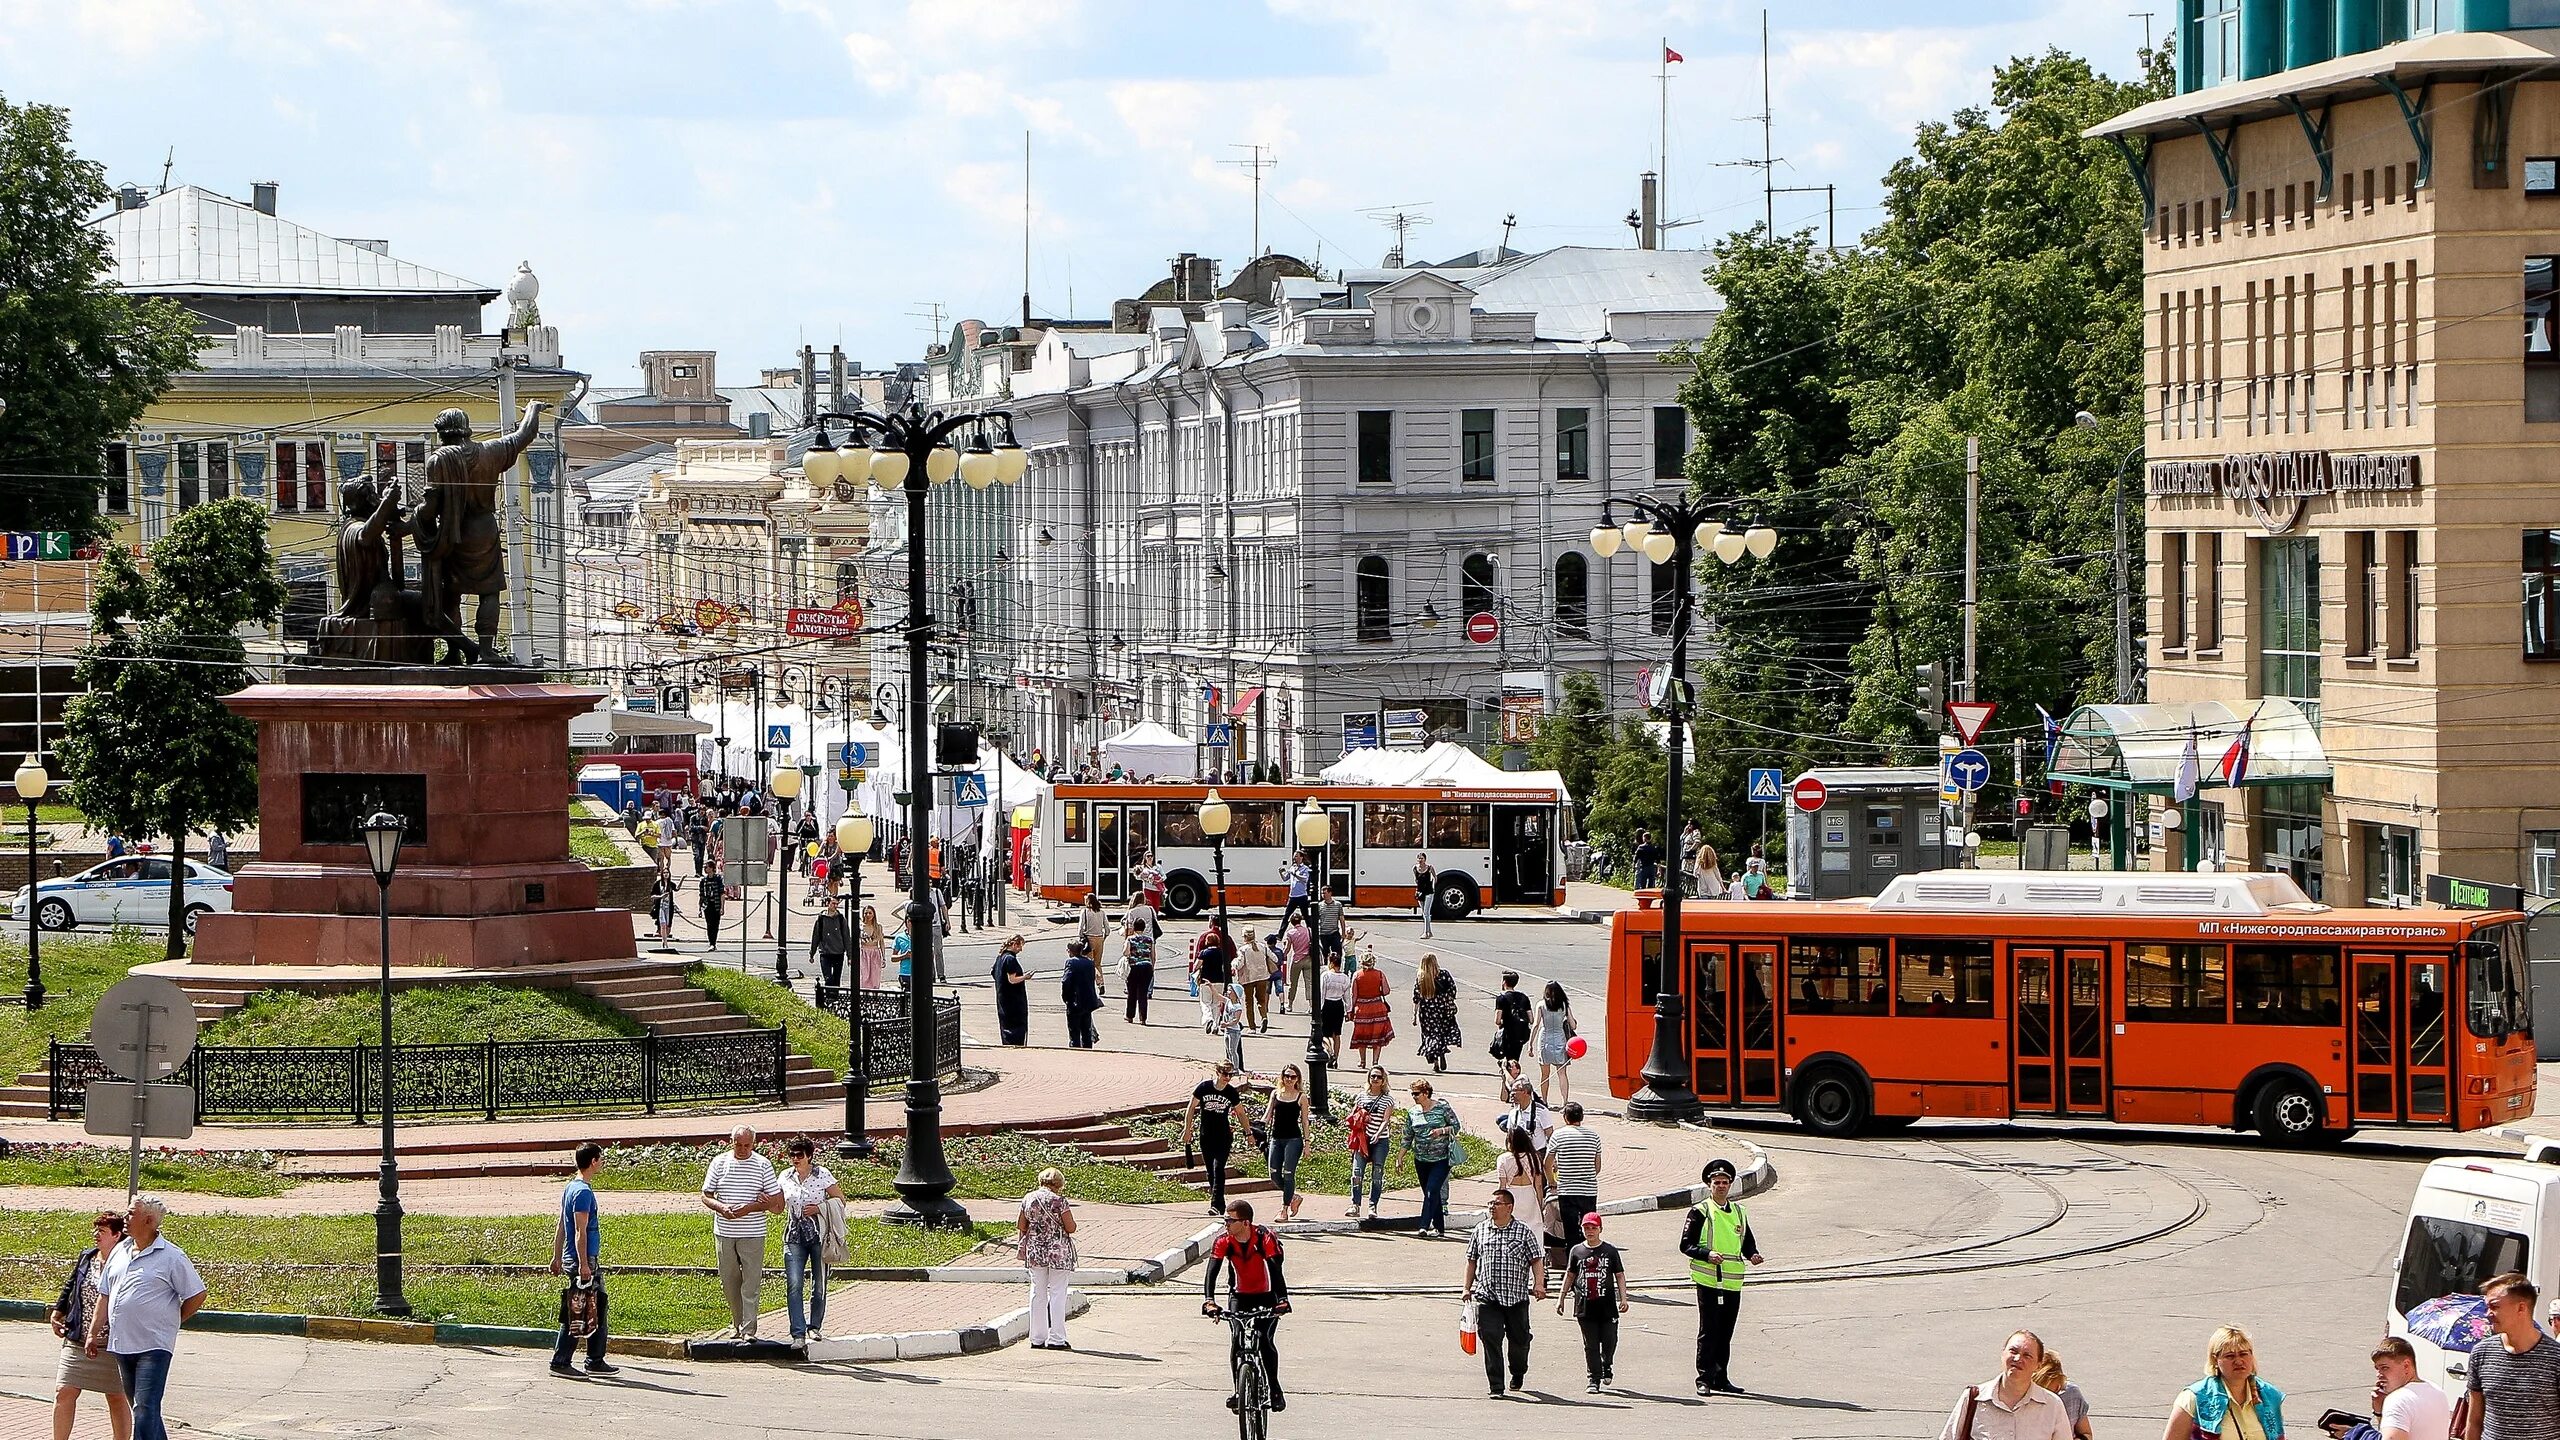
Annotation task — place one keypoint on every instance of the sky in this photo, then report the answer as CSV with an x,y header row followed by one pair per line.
x,y
750,175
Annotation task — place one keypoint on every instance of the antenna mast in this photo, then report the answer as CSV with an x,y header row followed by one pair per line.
x,y
1258,159
1402,220
166,166
1026,227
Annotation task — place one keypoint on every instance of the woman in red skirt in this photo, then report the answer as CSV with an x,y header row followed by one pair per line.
x,y
1372,1023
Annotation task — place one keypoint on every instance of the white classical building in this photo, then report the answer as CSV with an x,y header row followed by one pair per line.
x,y
1360,494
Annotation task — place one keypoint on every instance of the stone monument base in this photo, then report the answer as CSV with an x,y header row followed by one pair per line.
x,y
477,766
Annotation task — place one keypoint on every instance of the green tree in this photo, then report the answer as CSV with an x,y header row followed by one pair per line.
x,y
79,361
1573,741
149,747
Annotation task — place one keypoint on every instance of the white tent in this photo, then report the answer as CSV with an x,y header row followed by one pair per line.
x,y
1147,750
1005,780
1444,763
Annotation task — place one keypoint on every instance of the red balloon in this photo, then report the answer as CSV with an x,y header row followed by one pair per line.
x,y
1576,1048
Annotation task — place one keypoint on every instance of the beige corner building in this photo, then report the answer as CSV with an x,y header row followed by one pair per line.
x,y
2352,460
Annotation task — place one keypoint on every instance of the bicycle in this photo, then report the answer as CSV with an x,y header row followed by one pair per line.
x,y
1252,1400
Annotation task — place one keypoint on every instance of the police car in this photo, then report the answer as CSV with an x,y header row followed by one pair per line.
x,y
129,890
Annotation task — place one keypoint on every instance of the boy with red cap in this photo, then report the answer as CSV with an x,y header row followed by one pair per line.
x,y
1596,1277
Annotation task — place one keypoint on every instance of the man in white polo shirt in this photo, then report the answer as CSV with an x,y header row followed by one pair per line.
x,y
150,1288
740,1189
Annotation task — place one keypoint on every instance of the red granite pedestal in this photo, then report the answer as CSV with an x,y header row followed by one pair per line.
x,y
482,769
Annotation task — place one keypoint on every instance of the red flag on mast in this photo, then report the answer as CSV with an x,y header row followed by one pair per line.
x,y
1671,56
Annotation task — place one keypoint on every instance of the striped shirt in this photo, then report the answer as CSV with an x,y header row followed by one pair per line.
x,y
735,1182
1576,1153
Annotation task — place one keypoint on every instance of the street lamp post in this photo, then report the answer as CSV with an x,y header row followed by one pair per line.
x,y
32,782
786,789
382,832
911,449
1315,836
1671,532
1215,820
853,843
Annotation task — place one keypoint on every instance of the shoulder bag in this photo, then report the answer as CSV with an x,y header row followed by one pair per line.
x,y
1964,1412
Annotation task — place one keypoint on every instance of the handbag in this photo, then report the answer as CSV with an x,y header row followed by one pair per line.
x,y
1467,1326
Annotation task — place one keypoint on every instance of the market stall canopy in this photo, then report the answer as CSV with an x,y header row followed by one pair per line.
x,y
1444,763
2139,747
1147,750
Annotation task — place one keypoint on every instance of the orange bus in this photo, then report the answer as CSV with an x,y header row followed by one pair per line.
x,y
2190,999
1489,846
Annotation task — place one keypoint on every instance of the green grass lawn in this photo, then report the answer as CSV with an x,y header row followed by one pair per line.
x,y
822,1037
245,1260
589,842
425,1015
1325,1169
986,1167
192,1172
77,970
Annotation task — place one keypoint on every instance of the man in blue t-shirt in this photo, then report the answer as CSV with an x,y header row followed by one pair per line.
x,y
577,1246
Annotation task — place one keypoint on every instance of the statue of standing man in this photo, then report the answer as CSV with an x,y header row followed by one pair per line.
x,y
460,549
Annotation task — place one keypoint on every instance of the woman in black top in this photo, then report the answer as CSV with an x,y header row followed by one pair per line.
x,y
1213,1104
1288,1111
1424,879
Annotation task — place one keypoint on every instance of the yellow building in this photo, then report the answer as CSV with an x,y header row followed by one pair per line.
x,y
326,359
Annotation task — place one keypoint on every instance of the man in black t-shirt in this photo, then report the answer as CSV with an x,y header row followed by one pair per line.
x,y
1213,1107
1595,1277
1510,1024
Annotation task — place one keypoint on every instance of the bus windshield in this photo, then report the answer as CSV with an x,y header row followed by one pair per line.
x,y
2501,991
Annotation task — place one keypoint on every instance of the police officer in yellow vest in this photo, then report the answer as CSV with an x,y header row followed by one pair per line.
x,y
1720,1248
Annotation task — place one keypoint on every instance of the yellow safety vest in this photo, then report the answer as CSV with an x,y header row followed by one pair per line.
x,y
1722,1234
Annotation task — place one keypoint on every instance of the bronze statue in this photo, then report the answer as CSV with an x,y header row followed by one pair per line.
x,y
379,621
461,551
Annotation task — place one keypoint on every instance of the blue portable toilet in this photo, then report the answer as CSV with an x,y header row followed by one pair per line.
x,y
606,783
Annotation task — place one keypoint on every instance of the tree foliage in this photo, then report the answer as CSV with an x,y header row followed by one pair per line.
x,y
2000,296
79,361
148,746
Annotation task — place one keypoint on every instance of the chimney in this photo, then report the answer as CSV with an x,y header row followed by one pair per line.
x,y
760,425
808,385
1182,277
262,196
1204,278
1648,230
835,379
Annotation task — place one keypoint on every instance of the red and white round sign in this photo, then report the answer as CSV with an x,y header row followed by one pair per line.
x,y
1483,627
1809,793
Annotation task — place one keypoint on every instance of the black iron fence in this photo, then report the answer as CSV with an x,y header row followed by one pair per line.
x,y
888,1043
492,1078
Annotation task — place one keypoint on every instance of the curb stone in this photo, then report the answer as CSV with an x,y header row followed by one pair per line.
x,y
399,1332
1005,1329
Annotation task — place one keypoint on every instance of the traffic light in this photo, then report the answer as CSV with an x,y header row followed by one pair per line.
x,y
955,746
1929,683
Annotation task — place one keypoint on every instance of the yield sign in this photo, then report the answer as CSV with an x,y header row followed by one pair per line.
x,y
1969,717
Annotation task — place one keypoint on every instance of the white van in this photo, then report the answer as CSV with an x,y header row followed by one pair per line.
x,y
2472,1219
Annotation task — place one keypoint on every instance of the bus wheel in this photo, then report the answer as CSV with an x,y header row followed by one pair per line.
x,y
1833,1102
1185,895
1457,898
2287,1112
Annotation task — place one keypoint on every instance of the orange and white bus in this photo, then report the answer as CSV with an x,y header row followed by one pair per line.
x,y
1489,846
2183,999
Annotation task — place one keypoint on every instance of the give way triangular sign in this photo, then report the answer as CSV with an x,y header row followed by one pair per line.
x,y
1969,716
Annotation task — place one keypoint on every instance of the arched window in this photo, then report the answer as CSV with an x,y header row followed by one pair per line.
x,y
1666,595
1475,585
1372,599
1573,594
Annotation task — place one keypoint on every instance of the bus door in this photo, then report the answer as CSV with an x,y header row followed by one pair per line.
x,y
1122,836
1523,867
1734,1021
2397,1070
1339,866
2058,1031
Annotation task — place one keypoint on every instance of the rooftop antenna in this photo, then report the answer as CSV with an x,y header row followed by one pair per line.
x,y
1401,219
930,312
1257,160
1507,222
1026,228
166,166
1769,162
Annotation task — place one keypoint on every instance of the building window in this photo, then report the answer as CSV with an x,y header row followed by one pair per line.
x,y
2542,594
2426,17
2173,591
2289,622
306,600
1666,595
2541,175
307,460
119,487
2290,833
2205,633
2390,857
1475,444
1573,595
1573,444
2542,861
1670,442
1475,585
2367,617
1377,437
217,469
1373,598
2218,42
2541,339
190,474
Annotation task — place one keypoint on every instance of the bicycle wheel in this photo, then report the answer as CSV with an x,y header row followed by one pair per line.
x,y
1253,1403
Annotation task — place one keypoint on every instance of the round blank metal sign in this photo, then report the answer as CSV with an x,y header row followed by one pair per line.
x,y
116,1029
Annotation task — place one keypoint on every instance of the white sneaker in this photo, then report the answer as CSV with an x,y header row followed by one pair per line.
x,y
817,1335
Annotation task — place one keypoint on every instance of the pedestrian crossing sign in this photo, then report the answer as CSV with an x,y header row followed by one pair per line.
x,y
1768,787
777,737
968,789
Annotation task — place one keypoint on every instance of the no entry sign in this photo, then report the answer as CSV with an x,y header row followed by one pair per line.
x,y
1483,628
1809,793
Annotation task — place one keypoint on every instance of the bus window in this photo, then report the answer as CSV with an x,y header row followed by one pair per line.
x,y
2175,984
1391,825
1178,825
1837,976
1461,827
2284,985
1948,978
1257,822
1649,969
2501,998
1075,822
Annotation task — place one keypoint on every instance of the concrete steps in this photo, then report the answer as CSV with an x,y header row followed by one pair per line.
x,y
1117,1143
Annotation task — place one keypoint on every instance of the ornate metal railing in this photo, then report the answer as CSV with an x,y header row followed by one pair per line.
x,y
884,1027
492,1078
